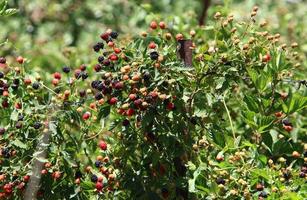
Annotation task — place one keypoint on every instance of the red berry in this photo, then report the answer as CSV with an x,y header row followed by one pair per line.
x,y
153,25
21,186
103,145
132,96
99,186
162,25
154,94
20,59
77,181
57,75
5,104
26,178
18,106
119,85
105,36
117,50
100,178
130,112
44,171
266,58
55,82
86,115
278,114
56,175
179,36
152,45
111,44
113,101
170,106
113,57
27,81
83,67
288,128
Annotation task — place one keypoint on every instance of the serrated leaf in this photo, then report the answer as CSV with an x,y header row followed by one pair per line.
x,y
251,103
19,144
10,11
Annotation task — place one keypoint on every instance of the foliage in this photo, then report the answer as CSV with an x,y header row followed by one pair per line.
x,y
134,122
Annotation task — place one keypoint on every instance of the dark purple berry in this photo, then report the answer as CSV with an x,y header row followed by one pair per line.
x,y
94,178
100,59
154,55
98,46
2,60
220,181
37,125
126,122
35,85
2,130
98,96
66,69
114,34
97,163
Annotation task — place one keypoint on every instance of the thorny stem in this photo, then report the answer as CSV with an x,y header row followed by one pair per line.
x,y
229,117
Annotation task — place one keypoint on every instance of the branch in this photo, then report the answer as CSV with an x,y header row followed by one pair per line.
x,y
203,15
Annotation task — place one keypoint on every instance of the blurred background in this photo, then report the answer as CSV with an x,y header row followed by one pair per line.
x,y
53,33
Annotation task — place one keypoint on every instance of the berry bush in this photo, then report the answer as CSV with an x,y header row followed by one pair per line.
x,y
138,122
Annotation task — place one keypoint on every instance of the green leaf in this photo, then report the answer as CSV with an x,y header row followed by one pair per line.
x,y
296,103
14,115
104,111
10,12
281,147
251,103
19,144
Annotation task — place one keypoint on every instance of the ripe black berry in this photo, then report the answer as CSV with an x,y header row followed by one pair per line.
x,y
66,69
78,174
146,76
154,55
302,175
37,125
100,59
106,62
97,163
16,81
193,120
98,46
126,122
220,181
35,85
1,75
114,34
82,93
94,178
286,122
84,75
18,125
98,96
2,60
6,152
